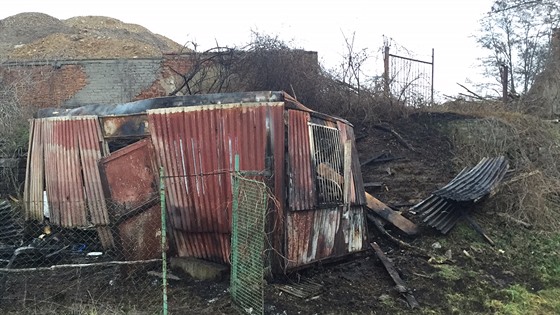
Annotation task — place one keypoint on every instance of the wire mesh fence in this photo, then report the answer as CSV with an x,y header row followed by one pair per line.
x,y
248,239
111,269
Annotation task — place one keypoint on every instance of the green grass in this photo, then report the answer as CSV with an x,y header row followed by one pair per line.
x,y
516,300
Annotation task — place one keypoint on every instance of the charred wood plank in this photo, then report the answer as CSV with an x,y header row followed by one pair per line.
x,y
383,157
400,139
478,229
391,215
400,284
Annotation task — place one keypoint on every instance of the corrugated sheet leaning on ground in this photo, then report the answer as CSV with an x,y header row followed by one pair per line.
x,y
446,206
196,146
67,149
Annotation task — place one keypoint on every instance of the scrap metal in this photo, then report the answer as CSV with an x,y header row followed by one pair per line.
x,y
446,206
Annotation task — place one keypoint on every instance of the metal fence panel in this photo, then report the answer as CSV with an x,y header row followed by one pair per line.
x,y
248,232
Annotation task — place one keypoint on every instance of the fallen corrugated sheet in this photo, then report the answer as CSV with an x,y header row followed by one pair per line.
x,y
447,205
196,146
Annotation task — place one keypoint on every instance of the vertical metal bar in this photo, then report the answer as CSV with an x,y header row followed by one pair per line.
x,y
432,91
234,229
347,172
386,72
163,240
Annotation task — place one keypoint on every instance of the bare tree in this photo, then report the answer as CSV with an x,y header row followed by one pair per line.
x,y
517,34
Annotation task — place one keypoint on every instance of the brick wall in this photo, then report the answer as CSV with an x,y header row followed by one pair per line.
x,y
74,83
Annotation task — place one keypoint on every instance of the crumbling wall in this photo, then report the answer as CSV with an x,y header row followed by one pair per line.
x,y
74,83
543,99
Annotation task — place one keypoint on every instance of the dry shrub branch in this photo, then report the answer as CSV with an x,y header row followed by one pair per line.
x,y
531,192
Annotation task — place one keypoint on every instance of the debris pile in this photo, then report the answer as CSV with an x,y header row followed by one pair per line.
x,y
37,36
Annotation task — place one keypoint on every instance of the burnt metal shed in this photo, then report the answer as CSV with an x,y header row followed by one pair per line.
x,y
307,159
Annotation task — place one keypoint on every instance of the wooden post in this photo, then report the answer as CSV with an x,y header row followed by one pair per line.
x,y
504,78
386,87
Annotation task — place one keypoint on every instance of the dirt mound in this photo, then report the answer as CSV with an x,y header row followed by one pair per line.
x,y
35,36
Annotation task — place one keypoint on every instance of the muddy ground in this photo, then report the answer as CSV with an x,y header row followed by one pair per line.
x,y
462,274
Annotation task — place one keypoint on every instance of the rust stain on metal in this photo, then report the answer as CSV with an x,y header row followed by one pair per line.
x,y
129,175
324,233
196,146
140,235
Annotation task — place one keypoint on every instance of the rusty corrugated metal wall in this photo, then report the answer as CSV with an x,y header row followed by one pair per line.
x,y
316,231
64,152
196,146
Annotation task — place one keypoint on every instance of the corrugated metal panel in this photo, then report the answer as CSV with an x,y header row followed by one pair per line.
x,y
357,196
210,246
34,177
446,206
321,234
302,189
196,146
276,229
66,151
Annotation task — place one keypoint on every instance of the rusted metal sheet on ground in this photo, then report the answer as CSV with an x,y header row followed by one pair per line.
x,y
196,146
447,205
66,151
321,234
129,176
124,126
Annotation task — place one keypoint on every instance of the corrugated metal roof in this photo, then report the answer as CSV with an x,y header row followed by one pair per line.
x,y
447,205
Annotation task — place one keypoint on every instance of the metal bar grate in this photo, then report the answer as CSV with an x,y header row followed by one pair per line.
x,y
326,150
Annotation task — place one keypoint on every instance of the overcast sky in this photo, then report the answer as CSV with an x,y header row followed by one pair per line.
x,y
445,25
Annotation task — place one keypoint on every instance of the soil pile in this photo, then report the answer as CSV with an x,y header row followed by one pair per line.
x,y
36,36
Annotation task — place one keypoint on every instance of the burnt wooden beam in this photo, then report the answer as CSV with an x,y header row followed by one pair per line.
x,y
400,284
391,215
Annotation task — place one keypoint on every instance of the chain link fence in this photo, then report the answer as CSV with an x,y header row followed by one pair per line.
x,y
114,269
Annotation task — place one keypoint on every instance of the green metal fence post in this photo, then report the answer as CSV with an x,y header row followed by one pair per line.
x,y
163,240
234,228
